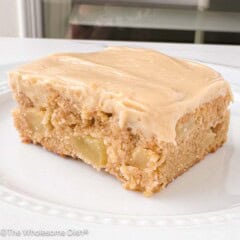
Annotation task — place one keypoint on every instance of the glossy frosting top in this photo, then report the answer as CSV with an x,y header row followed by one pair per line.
x,y
147,90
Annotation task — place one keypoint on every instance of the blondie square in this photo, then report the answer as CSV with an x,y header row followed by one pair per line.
x,y
138,114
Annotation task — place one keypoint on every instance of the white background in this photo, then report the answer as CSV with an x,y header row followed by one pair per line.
x,y
9,18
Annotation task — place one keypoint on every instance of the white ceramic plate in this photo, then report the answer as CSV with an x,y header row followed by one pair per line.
x,y
37,180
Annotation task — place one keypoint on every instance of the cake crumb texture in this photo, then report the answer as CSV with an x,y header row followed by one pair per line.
x,y
140,164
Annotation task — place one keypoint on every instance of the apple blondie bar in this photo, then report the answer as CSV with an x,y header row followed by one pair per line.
x,y
140,115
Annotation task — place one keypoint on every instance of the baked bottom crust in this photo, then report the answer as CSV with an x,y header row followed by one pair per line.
x,y
140,164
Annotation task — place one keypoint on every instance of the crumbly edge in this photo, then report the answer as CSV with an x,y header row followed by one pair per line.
x,y
198,133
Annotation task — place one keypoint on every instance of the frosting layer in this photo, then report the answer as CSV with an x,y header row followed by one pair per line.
x,y
148,91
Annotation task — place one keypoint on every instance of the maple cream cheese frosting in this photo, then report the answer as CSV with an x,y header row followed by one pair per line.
x,y
148,91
